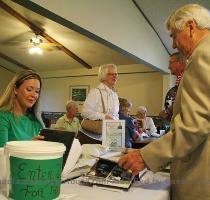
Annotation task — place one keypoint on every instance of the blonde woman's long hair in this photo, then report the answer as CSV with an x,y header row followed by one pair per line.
x,y
7,100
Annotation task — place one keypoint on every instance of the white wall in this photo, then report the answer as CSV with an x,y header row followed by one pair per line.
x,y
140,88
116,21
6,76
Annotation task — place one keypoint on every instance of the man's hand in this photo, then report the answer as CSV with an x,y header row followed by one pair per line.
x,y
132,162
163,114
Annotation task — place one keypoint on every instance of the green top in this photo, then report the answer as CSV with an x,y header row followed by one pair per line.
x,y
13,128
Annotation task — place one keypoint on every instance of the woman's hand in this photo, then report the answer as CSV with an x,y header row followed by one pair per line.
x,y
108,117
141,130
38,137
136,135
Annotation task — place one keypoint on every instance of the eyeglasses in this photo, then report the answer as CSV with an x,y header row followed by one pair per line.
x,y
112,74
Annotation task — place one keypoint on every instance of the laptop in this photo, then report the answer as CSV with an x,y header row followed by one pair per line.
x,y
62,136
107,173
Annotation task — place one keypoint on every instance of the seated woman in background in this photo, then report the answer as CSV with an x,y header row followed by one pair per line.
x,y
145,124
69,121
18,108
131,132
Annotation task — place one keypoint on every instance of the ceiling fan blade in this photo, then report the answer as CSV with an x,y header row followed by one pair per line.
x,y
49,44
47,48
15,43
20,38
28,46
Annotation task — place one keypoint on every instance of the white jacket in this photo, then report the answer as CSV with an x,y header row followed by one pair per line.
x,y
93,109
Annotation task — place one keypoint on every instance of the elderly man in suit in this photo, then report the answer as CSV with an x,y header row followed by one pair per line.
x,y
187,144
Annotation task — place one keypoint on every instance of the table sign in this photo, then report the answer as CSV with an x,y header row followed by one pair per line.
x,y
113,134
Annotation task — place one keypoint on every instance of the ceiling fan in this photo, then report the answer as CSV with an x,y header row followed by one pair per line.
x,y
42,33
37,45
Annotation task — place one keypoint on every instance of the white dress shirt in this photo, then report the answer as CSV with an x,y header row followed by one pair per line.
x,y
93,109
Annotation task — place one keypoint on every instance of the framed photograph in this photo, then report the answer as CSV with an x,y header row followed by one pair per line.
x,y
79,93
113,134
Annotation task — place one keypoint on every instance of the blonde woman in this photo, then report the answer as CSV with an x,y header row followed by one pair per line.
x,y
18,108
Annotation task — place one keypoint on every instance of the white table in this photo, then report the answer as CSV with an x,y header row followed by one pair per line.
x,y
73,190
148,190
136,192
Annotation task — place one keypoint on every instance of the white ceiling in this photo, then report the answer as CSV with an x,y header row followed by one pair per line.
x,y
157,11
15,37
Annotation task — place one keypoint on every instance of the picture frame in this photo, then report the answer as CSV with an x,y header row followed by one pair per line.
x,y
113,134
79,93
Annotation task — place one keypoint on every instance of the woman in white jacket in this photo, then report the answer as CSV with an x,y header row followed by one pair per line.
x,y
102,102
93,106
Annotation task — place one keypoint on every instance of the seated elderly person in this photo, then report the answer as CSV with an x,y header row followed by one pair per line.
x,y
69,121
145,124
130,130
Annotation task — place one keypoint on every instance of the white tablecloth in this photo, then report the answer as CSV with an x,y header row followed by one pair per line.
x,y
151,187
74,191
137,191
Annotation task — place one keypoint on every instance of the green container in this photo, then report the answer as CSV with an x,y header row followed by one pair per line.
x,y
35,173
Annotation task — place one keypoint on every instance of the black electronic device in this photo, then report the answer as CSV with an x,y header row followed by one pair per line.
x,y
107,173
62,136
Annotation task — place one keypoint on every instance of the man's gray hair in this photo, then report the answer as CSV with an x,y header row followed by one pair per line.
x,y
189,12
103,70
70,104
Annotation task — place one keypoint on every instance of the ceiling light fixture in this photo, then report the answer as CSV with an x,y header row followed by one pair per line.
x,y
36,40
35,49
